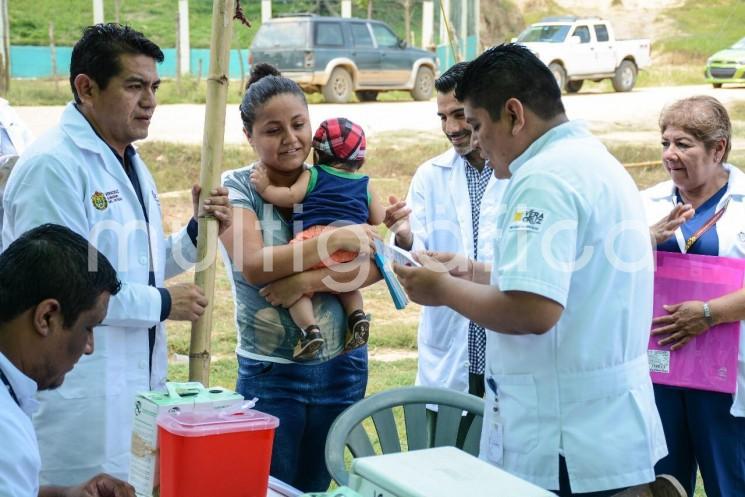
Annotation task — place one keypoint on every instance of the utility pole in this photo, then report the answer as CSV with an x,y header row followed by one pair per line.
x,y
266,10
97,11
346,8
428,23
183,47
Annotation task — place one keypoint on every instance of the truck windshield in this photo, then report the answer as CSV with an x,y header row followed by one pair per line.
x,y
545,34
281,35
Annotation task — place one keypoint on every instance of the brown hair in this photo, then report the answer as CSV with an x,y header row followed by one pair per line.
x,y
702,116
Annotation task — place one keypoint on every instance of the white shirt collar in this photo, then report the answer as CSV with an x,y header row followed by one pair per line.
x,y
23,386
735,185
563,130
449,158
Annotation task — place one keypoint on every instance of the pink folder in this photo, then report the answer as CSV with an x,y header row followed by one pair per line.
x,y
709,361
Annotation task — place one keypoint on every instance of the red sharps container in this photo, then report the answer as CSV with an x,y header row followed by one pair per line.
x,y
220,453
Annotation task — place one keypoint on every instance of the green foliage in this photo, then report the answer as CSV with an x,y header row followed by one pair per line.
x,y
544,9
29,20
705,26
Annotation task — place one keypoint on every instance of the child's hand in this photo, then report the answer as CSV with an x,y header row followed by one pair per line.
x,y
259,178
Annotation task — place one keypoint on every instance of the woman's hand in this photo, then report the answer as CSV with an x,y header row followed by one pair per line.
x,y
665,227
284,291
684,322
354,238
259,178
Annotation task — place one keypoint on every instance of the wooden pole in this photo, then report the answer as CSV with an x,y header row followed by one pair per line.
x,y
243,72
212,156
451,36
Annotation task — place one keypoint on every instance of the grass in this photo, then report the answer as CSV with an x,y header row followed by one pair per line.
x,y
669,74
29,20
704,26
189,90
543,9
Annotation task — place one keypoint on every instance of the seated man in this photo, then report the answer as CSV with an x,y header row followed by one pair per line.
x,y
50,300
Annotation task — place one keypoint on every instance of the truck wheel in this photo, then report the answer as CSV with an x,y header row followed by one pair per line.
x,y
625,77
574,86
367,95
560,74
716,85
338,88
423,84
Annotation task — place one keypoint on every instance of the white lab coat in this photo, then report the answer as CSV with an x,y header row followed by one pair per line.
x,y
71,177
14,138
660,199
574,231
441,221
19,459
20,136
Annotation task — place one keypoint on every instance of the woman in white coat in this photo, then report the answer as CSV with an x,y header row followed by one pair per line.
x,y
703,429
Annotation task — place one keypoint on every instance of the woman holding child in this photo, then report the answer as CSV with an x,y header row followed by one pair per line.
x,y
707,196
305,387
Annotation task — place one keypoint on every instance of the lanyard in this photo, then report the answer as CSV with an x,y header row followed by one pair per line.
x,y
10,389
691,241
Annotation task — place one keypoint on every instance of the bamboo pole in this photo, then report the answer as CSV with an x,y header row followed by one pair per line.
x,y
212,155
451,36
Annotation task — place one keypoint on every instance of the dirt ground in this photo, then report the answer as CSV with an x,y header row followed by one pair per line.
x,y
632,115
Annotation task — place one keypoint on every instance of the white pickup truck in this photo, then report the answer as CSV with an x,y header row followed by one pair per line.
x,y
580,48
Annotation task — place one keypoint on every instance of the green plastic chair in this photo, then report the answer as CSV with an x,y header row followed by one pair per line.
x,y
450,428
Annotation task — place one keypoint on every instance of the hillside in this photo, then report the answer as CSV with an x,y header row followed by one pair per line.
x,y
29,20
682,31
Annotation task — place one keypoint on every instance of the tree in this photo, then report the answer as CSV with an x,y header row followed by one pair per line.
x,y
406,4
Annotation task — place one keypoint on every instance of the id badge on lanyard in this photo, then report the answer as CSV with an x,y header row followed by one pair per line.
x,y
686,244
495,441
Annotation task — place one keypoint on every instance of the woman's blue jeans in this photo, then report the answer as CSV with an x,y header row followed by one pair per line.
x,y
306,399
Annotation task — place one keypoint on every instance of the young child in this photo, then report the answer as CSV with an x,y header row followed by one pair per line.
x,y
331,192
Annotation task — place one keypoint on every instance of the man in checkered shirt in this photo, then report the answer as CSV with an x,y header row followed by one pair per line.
x,y
448,196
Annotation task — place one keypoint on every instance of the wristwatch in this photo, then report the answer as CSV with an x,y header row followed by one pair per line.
x,y
707,315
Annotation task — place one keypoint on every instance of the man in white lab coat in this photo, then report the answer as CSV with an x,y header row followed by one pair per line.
x,y
447,198
44,329
86,175
14,135
14,138
568,301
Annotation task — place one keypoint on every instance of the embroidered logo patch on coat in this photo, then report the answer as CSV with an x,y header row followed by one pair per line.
x,y
527,220
99,201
